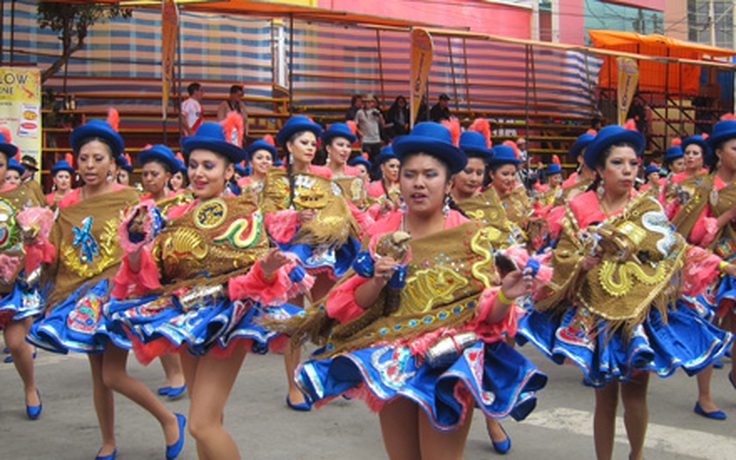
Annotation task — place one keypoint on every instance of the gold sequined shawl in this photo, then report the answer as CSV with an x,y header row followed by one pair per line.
x,y
85,236
333,224
212,241
487,209
580,187
548,197
640,267
687,185
26,195
444,281
517,206
353,189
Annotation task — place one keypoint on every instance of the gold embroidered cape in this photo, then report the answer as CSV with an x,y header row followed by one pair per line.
x,y
211,242
487,209
578,188
444,281
353,189
85,236
517,206
333,224
27,194
687,186
640,268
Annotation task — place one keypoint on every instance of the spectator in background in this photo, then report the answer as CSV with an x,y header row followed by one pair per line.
x,y
356,103
31,165
234,103
191,110
440,111
397,118
369,121
521,145
423,111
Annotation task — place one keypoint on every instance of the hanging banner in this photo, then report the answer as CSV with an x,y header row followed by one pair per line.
x,y
628,79
20,109
169,27
421,61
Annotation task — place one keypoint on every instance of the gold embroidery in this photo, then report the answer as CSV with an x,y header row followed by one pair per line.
x,y
624,273
480,243
210,214
235,232
429,287
108,244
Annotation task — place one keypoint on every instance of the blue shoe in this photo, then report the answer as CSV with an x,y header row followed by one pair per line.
x,y
9,358
174,450
717,365
34,412
301,407
108,457
6,350
177,392
501,446
164,391
715,415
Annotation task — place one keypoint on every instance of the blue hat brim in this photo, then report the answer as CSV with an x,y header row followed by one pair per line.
x,y
578,146
232,152
360,160
328,136
290,129
8,149
70,170
145,156
412,143
495,160
603,140
83,132
17,167
263,145
476,152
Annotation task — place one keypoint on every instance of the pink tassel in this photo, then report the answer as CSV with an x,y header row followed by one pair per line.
x,y
556,159
454,126
180,157
728,116
481,125
630,124
233,126
113,119
591,131
6,133
69,159
704,136
353,127
269,138
676,142
513,145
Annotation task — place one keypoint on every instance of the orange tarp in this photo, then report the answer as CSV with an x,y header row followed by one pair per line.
x,y
656,76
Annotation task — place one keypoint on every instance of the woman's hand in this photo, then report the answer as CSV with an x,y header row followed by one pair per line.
x,y
305,215
386,207
272,261
383,270
517,283
730,270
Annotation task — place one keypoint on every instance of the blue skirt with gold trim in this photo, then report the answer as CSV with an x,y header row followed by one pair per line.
x,y
23,302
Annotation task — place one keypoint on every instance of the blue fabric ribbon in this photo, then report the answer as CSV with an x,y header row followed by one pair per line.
x,y
363,264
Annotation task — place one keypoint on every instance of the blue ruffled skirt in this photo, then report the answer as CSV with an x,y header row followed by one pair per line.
x,y
687,340
500,380
335,260
200,330
81,323
23,302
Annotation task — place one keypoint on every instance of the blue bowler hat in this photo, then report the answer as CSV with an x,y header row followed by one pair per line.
x,y
362,161
651,169
62,165
182,168
211,136
433,139
6,147
297,124
160,153
608,136
386,153
673,153
504,154
100,129
702,143
474,145
723,131
240,169
15,166
338,130
553,168
122,162
260,144
580,143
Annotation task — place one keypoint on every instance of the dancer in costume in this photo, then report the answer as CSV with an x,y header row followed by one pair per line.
x,y
78,312
337,141
308,216
13,173
579,181
179,181
213,276
260,155
386,189
681,186
417,330
63,176
512,194
612,306
652,179
707,219
158,163
22,249
124,169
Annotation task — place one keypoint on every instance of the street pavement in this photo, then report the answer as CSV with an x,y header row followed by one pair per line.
x,y
265,429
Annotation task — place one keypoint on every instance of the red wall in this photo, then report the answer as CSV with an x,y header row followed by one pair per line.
x,y
657,5
478,16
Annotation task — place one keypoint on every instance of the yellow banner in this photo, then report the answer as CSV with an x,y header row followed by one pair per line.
x,y
421,61
20,109
169,22
628,79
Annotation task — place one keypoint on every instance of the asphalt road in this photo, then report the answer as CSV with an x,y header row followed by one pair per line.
x,y
560,427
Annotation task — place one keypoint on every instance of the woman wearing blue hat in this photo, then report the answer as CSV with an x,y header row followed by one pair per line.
x,y
260,155
620,332
547,193
13,173
680,186
651,179
216,278
579,181
124,169
62,174
179,181
307,215
337,141
503,166
423,357
88,254
20,297
385,191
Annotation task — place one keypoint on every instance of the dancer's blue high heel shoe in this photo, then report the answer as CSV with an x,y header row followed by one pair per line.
x,y
34,412
501,446
109,456
174,450
176,392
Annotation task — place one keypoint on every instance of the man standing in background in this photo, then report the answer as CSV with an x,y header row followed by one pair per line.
x,y
191,110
